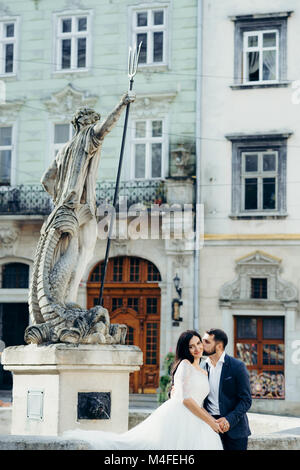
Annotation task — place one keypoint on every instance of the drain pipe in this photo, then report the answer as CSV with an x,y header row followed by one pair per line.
x,y
198,160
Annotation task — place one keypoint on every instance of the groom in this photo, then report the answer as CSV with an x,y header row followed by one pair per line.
x,y
229,398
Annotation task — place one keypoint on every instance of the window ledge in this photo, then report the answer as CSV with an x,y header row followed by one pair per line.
x,y
8,76
259,215
70,73
242,86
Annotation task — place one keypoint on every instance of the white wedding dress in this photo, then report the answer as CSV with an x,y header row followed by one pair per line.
x,y
172,426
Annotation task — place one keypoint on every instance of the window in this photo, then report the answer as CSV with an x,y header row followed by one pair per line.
x,y
62,134
259,343
148,149
73,42
116,303
118,269
126,269
259,288
151,343
133,302
261,56
7,47
150,28
152,305
5,155
134,269
259,175
259,180
260,50
129,340
153,273
15,276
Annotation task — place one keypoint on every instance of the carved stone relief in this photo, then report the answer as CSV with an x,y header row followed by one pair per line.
x,y
8,237
9,111
64,103
151,106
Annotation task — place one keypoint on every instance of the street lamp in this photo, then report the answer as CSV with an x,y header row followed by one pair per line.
x,y
176,303
176,281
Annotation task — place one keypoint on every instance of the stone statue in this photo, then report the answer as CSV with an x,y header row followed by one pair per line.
x,y
68,238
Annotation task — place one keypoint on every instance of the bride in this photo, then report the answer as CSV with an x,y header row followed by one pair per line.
x,y
181,423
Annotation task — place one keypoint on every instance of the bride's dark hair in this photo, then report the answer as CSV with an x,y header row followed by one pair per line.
x,y
183,350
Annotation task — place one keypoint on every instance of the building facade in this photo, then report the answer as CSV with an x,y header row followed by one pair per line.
x,y
56,57
250,190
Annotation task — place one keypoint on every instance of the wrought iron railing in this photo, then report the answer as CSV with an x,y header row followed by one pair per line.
x,y
34,200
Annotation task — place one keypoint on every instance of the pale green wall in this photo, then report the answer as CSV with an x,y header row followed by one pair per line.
x,y
107,78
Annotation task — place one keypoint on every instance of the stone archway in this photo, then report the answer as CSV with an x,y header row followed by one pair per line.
x,y
132,296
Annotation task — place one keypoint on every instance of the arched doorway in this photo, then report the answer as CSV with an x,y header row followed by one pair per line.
x,y
132,296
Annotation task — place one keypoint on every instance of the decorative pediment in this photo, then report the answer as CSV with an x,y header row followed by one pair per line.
x,y
9,111
152,105
258,265
63,104
258,258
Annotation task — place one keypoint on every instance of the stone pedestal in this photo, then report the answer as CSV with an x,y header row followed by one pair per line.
x,y
62,387
180,190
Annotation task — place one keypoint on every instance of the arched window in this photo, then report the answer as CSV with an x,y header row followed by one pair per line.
x,y
15,276
126,269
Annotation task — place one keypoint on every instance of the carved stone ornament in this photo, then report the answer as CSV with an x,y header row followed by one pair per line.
x,y
9,111
73,5
181,159
64,103
153,106
68,239
8,237
258,265
4,10
181,261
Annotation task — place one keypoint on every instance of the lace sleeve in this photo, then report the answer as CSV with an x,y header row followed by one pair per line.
x,y
182,380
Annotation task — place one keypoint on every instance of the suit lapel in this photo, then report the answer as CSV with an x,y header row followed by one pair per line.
x,y
223,374
207,368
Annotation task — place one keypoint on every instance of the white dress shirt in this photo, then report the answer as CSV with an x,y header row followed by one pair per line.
x,y
214,383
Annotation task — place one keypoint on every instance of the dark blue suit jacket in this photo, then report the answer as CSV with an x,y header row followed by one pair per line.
x,y
234,397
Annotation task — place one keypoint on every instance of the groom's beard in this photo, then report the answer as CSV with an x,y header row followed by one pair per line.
x,y
205,353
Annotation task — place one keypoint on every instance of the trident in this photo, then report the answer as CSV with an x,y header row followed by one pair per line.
x,y
133,59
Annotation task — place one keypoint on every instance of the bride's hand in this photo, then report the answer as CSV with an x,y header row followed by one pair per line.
x,y
216,427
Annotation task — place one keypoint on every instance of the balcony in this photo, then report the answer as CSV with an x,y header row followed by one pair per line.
x,y
34,200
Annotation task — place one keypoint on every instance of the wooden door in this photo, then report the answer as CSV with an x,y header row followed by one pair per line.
x,y
132,296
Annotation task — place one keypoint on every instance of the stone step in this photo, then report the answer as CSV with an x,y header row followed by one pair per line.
x,y
143,401
143,397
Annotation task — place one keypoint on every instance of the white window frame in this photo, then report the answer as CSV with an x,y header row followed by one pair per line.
x,y
55,146
12,40
148,140
73,35
12,148
259,48
149,30
259,175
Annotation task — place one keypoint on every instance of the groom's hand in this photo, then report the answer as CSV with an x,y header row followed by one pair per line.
x,y
224,425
